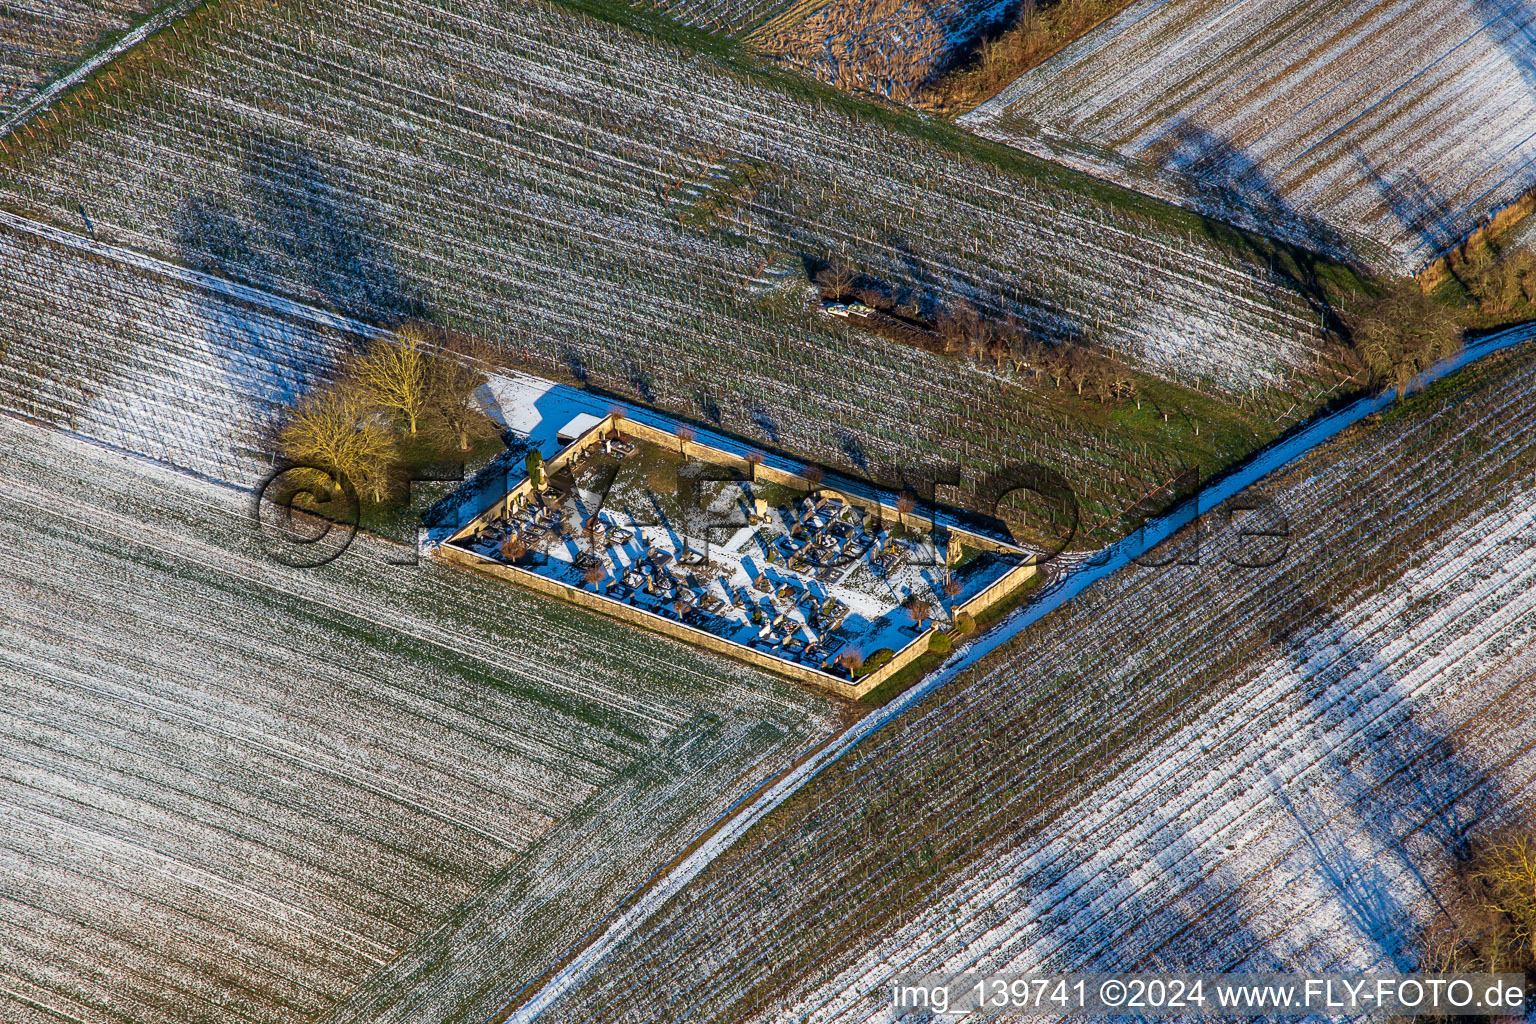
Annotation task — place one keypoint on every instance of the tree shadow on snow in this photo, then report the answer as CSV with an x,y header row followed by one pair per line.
x,y
1226,179
1400,785
1414,204
1514,25
297,229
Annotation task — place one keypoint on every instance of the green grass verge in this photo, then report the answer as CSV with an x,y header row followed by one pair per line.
x,y
429,453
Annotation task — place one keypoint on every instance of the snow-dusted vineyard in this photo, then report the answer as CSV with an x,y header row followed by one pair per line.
x,y
728,17
146,364
1307,820
1240,767
1389,129
41,38
236,789
527,175
887,47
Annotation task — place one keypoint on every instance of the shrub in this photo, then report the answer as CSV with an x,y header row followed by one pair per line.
x,y
874,661
1400,333
940,643
965,623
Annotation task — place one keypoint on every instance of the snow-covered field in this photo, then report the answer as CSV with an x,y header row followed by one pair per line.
x,y
135,589
41,38
536,187
1200,766
1303,822
147,364
1390,129
234,788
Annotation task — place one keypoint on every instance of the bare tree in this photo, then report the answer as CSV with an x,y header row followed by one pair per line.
x,y
874,298
453,379
1508,876
1400,333
1000,349
331,429
1054,361
905,503
835,280
978,338
1078,369
951,333
918,610
393,373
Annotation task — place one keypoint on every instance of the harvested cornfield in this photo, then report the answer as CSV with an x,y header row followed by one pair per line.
x,y
1383,131
1202,766
888,47
569,190
234,790
40,39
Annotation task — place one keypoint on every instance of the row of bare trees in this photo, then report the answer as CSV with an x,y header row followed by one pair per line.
x,y
1395,334
1071,365
961,331
397,385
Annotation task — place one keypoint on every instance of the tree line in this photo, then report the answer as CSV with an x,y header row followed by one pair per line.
x,y
961,331
1389,336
